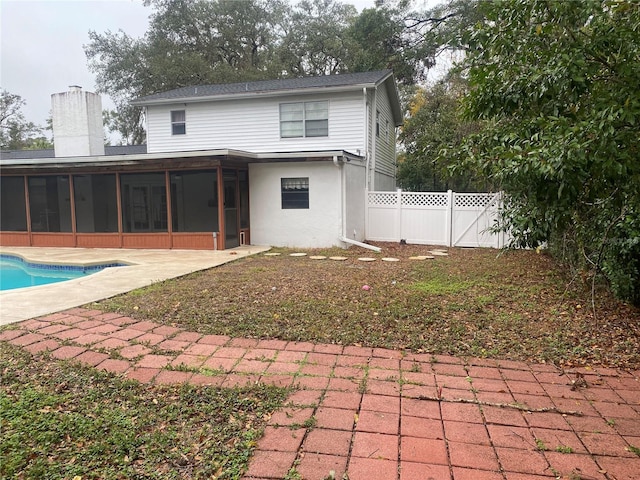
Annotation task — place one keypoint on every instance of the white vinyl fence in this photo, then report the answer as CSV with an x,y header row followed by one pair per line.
x,y
433,218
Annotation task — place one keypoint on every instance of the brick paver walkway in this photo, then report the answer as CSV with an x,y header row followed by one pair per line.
x,y
376,413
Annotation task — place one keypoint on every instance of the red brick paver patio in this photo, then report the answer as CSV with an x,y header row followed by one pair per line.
x,y
373,413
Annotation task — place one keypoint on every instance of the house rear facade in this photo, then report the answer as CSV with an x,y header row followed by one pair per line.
x,y
283,163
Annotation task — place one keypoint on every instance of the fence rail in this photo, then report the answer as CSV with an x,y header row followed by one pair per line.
x,y
434,218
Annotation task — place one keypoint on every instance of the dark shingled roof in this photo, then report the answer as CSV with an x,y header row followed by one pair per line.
x,y
49,153
324,81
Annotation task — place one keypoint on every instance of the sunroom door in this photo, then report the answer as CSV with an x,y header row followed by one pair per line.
x,y
231,224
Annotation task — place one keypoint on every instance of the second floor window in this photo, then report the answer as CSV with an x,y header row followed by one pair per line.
x,y
178,122
304,119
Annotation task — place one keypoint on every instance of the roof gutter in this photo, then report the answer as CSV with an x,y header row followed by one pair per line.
x,y
264,93
114,159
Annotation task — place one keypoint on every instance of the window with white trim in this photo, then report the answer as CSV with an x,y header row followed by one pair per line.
x,y
304,119
178,122
295,193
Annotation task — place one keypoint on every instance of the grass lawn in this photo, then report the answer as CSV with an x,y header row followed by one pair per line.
x,y
63,421
475,302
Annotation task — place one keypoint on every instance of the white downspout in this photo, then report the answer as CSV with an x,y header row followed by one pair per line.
x,y
343,203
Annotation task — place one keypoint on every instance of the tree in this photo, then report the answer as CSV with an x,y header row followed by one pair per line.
x,y
556,84
434,123
378,42
429,33
315,42
15,132
187,43
127,121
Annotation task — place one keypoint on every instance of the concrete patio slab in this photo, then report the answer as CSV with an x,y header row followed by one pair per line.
x,y
145,267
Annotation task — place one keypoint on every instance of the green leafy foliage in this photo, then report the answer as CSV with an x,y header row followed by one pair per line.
x,y
434,123
556,84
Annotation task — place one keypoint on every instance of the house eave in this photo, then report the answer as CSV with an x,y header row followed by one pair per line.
x,y
262,94
141,159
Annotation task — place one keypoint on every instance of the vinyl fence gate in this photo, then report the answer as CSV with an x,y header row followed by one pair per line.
x,y
434,218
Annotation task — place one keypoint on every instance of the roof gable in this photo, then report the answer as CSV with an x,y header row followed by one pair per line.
x,y
200,93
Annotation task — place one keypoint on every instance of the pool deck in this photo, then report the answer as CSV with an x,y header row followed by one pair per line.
x,y
146,267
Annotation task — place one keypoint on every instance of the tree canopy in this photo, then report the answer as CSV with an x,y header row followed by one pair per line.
x,y
434,123
556,86
16,133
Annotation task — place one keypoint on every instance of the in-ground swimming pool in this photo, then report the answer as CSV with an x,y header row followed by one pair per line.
x,y
18,273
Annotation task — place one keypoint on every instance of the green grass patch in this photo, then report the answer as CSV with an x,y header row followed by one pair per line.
x,y
60,420
440,287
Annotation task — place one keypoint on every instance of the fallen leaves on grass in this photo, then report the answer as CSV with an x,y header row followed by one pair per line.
x,y
475,302
101,426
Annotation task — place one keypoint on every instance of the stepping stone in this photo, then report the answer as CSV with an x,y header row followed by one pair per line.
x,y
390,259
438,253
367,259
338,259
422,257
299,254
273,254
317,257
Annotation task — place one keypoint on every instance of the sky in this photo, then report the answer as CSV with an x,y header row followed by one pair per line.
x,y
41,44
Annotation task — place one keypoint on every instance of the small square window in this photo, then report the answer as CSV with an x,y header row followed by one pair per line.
x,y
178,122
295,193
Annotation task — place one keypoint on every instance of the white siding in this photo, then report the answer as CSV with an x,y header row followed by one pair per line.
x,y
385,182
318,226
253,125
385,164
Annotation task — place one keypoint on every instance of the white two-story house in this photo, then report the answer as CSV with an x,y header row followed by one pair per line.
x,y
282,162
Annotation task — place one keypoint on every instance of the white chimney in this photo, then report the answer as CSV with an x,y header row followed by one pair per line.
x,y
77,123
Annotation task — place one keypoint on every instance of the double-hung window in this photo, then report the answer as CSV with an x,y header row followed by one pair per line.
x,y
304,119
178,122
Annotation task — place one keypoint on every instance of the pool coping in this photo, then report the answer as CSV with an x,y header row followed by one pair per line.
x,y
87,269
144,267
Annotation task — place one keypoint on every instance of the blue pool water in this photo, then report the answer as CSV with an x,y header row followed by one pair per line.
x,y
17,273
